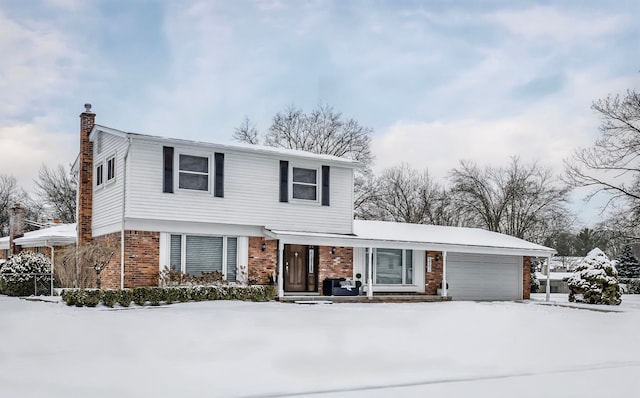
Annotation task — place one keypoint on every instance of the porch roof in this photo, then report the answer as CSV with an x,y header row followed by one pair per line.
x,y
59,235
418,236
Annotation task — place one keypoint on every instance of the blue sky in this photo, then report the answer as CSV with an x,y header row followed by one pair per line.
x,y
438,81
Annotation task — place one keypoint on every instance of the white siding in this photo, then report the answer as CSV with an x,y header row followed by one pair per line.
x,y
484,277
251,193
107,199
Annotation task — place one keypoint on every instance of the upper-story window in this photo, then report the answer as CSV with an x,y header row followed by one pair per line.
x,y
305,184
99,174
111,168
193,172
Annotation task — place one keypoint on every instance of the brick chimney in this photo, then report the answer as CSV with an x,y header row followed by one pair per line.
x,y
85,176
16,227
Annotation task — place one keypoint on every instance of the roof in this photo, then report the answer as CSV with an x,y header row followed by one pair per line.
x,y
421,236
554,276
59,235
242,148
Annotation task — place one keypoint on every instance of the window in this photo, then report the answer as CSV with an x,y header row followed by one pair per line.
x,y
193,172
196,254
391,266
111,168
98,176
305,184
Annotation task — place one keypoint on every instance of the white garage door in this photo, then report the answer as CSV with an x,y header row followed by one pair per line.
x,y
484,277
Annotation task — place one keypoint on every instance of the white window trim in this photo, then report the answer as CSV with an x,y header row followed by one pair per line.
x,y
176,168
318,185
106,178
183,251
98,166
374,268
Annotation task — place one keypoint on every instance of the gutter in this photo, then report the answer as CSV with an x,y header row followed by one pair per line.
x,y
124,199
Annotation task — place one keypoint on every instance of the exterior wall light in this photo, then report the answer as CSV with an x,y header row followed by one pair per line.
x,y
333,250
264,246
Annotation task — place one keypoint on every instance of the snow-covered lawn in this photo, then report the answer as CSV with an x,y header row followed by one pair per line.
x,y
241,349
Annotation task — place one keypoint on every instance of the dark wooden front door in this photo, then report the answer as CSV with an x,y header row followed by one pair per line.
x,y
295,268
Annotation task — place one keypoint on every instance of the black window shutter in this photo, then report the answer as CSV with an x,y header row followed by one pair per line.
x,y
284,181
325,186
167,185
218,191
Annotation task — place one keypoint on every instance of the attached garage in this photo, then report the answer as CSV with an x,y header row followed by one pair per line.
x,y
484,276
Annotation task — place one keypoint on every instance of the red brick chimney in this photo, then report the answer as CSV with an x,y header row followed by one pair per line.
x,y
85,176
16,227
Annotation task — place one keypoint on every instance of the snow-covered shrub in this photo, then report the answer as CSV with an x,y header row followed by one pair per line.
x,y
630,285
17,273
595,281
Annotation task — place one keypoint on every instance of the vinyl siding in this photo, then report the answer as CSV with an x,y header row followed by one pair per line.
x,y
251,193
107,200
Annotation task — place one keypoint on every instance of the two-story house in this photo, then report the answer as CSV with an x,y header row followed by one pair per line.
x,y
278,215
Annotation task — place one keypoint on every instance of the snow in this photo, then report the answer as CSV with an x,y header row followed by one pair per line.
x,y
242,349
62,234
554,276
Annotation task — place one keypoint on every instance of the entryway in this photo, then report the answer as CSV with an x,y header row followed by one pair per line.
x,y
300,268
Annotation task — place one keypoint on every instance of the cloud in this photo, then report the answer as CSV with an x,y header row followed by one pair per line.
x,y
26,146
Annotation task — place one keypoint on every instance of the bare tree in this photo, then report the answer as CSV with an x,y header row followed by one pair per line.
x,y
519,200
402,194
10,194
612,165
96,256
322,131
57,189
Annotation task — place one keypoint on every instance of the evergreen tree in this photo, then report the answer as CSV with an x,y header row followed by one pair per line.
x,y
628,265
595,281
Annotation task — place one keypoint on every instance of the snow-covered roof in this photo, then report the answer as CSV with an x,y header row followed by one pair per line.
x,y
430,237
4,243
59,235
239,147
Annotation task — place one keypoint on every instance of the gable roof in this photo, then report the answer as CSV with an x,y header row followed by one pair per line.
x,y
421,236
240,148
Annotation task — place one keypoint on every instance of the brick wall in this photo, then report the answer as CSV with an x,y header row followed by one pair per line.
x,y
433,279
526,278
338,265
85,176
262,265
142,256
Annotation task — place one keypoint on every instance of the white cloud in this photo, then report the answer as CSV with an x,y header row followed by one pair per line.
x,y
26,146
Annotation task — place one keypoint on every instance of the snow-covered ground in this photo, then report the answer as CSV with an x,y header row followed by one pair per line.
x,y
241,349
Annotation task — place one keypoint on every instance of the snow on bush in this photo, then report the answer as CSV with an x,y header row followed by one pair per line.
x,y
595,281
628,265
17,273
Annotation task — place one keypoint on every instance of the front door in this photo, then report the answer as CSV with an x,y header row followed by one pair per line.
x,y
295,268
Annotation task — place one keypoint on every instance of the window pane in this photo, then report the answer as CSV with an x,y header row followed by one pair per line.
x,y
175,256
99,175
203,254
409,266
232,258
194,163
307,192
304,175
389,266
194,181
111,168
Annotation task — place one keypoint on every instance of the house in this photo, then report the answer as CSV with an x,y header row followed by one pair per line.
x,y
270,215
558,281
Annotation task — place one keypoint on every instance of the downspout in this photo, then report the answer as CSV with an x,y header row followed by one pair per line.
x,y
124,199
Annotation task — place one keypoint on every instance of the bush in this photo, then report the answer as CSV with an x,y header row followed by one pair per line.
x,y
16,274
595,281
158,295
110,297
632,285
125,297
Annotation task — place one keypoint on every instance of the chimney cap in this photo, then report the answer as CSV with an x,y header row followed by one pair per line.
x,y
87,108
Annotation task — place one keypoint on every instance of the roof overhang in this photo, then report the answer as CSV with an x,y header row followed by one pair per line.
x,y
344,240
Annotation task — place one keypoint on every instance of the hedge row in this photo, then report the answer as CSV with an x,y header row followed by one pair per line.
x,y
166,295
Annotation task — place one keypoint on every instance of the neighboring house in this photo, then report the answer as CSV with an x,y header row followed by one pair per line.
x,y
272,215
565,263
557,281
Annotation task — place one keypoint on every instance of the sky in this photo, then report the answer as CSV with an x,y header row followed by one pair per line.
x,y
437,81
